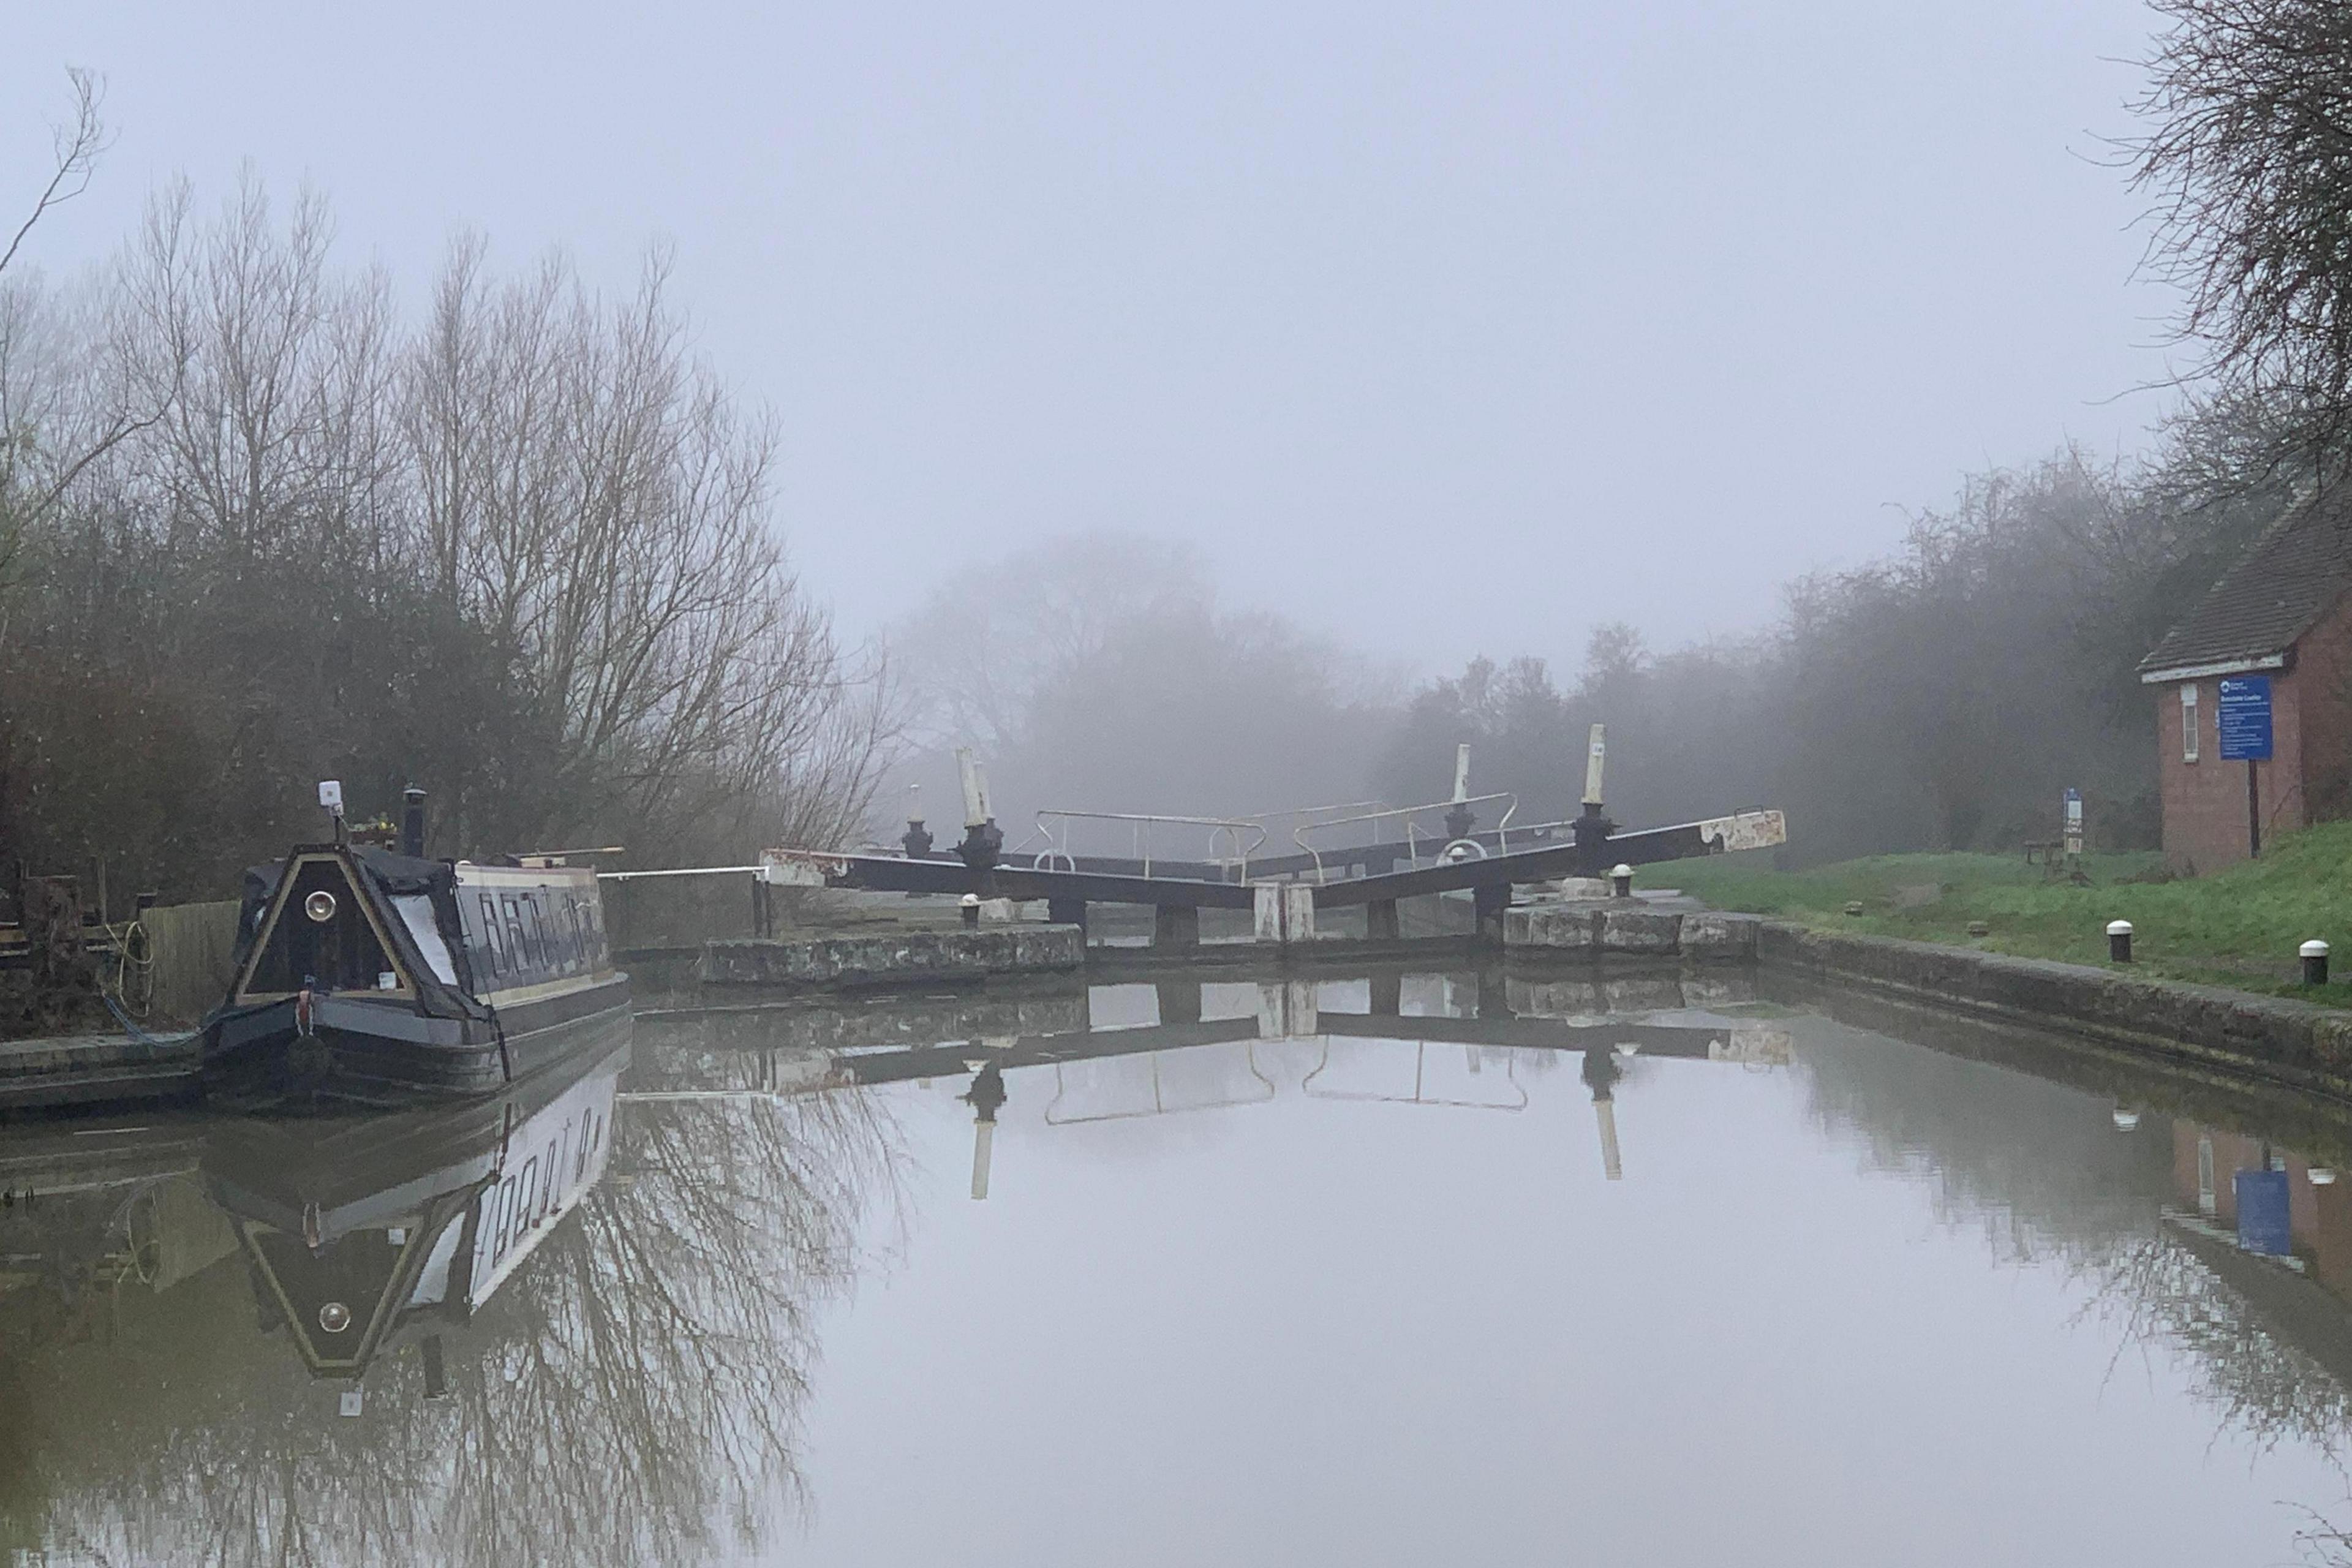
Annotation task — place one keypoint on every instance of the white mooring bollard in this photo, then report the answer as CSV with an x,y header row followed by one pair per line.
x,y
2314,961
2119,935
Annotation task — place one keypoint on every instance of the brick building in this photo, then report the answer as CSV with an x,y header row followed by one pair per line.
x,y
2283,615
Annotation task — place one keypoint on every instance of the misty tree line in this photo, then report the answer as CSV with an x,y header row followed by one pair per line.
x,y
259,527
1942,697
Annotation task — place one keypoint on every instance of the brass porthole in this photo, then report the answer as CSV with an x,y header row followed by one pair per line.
x,y
319,905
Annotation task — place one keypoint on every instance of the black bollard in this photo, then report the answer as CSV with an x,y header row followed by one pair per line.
x,y
982,843
2119,934
1621,881
971,909
2314,962
412,822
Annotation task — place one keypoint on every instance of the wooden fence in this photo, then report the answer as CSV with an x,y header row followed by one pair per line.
x,y
193,945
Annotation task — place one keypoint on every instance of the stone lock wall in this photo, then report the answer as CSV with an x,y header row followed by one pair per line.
x,y
895,959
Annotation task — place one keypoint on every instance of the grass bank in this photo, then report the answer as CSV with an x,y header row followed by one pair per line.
x,y
2240,927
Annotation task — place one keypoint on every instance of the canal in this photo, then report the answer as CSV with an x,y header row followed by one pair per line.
x,y
1395,1268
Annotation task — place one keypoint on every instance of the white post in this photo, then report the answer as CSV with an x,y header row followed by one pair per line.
x,y
1297,912
975,788
1286,1009
1265,900
984,1139
1606,1112
1284,911
1592,760
1462,771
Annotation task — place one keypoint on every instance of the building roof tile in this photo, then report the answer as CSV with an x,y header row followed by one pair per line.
x,y
2274,593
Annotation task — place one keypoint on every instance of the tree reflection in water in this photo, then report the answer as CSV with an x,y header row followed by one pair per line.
x,y
631,1394
2044,1173
2163,1295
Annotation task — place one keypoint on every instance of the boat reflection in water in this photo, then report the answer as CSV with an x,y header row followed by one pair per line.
x,y
555,1326
368,1234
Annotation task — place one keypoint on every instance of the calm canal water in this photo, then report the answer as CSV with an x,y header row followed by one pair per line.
x,y
1410,1269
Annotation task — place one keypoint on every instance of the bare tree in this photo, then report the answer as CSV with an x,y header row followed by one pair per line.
x,y
76,145
523,552
54,425
2250,168
594,499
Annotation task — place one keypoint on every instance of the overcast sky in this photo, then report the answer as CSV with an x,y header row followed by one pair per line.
x,y
1445,329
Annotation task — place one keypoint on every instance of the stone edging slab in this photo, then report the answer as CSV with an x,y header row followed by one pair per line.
x,y
2298,1043
901,958
80,1069
1595,927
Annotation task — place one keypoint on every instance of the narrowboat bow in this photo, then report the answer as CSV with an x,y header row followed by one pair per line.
x,y
366,976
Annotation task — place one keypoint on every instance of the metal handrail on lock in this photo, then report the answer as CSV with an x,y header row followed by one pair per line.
x,y
1317,811
1159,1106
1229,830
1412,834
1420,1062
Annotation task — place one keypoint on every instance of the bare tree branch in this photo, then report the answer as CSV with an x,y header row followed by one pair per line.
x,y
2249,169
78,143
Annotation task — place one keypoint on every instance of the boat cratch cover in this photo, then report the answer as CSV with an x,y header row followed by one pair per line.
x,y
398,918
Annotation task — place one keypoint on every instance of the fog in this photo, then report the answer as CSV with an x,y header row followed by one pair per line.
x,y
1441,332
1214,414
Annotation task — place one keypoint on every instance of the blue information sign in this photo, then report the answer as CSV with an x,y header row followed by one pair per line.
x,y
2265,1225
2245,718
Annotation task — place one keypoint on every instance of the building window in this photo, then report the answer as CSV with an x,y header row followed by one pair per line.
x,y
518,945
2188,722
491,945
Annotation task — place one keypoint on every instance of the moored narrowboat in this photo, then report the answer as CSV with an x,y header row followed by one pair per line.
x,y
366,975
